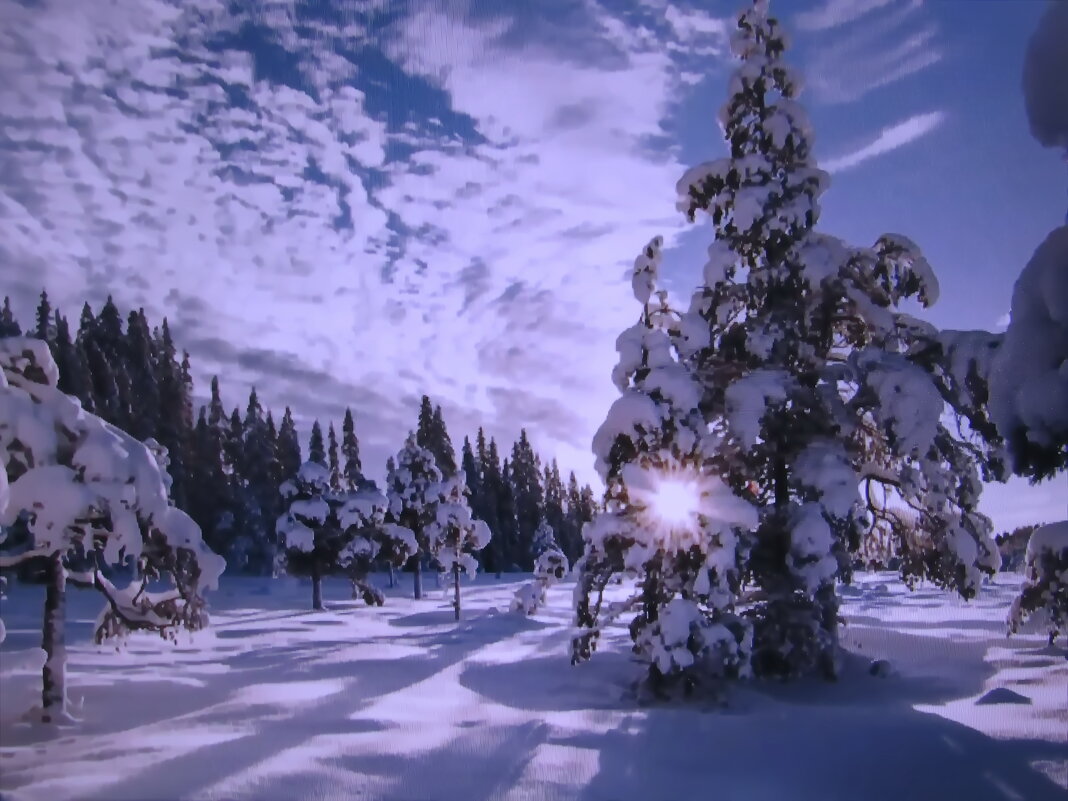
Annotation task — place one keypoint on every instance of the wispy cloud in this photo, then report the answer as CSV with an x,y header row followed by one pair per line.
x,y
833,13
895,41
888,140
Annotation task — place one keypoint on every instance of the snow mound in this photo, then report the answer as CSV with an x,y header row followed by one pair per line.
x,y
1002,695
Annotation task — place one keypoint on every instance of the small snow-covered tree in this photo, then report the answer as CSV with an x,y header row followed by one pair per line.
x,y
413,492
669,522
362,516
453,536
327,531
550,566
1044,594
311,535
92,497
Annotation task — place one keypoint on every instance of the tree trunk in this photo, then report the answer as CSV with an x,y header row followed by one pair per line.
x,y
417,577
317,588
54,673
456,589
392,581
828,602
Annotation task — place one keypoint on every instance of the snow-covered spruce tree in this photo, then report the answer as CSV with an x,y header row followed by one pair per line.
x,y
550,566
362,513
329,532
1044,594
413,490
1029,385
453,536
815,381
310,534
669,522
92,497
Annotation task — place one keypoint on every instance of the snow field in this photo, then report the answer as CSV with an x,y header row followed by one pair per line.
x,y
273,701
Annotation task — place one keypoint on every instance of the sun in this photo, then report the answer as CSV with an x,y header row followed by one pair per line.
x,y
674,502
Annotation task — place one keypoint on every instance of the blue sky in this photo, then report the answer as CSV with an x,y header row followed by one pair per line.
x,y
355,203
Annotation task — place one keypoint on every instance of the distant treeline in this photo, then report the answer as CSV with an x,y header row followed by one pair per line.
x,y
227,466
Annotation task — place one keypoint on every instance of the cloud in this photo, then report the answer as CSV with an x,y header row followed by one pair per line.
x,y
1045,78
834,13
888,140
352,213
896,42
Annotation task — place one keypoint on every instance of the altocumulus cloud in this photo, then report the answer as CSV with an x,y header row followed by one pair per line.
x,y
350,205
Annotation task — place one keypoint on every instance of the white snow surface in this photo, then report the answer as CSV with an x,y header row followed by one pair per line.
x,y
748,399
1052,537
274,702
825,467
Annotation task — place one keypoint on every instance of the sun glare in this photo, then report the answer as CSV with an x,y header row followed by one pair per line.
x,y
674,502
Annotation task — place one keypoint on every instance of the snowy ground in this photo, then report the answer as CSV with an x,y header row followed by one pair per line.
x,y
278,702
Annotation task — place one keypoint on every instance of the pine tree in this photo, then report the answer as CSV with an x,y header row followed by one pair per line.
x,y
43,328
453,536
143,371
528,496
332,454
487,500
431,434
688,558
9,326
257,457
66,356
350,450
413,490
312,536
814,383
441,445
554,500
316,449
571,540
288,445
507,525
174,422
424,429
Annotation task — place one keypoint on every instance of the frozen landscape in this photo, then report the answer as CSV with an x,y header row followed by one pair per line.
x,y
730,540
401,703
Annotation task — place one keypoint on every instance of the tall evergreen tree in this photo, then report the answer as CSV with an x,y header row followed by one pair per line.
x,y
174,390
316,448
71,379
528,496
441,445
512,550
288,445
43,328
143,371
794,352
260,489
9,326
350,451
432,434
333,463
